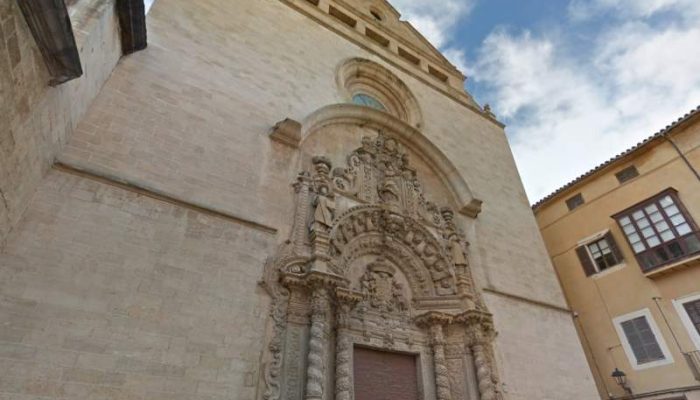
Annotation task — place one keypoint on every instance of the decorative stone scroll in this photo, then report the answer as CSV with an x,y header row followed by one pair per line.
x,y
371,261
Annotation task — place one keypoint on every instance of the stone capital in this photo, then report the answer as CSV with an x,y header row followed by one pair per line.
x,y
433,318
473,317
313,280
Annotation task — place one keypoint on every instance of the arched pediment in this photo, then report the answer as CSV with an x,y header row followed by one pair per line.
x,y
412,138
402,240
361,76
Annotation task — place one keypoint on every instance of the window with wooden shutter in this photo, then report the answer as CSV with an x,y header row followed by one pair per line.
x,y
693,310
642,340
599,254
586,261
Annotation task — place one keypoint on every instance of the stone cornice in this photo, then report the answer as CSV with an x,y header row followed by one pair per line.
x,y
440,59
313,279
457,94
432,318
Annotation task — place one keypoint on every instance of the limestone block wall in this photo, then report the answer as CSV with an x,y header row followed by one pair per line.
x,y
151,301
35,119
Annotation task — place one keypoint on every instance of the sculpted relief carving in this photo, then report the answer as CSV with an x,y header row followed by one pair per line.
x,y
371,261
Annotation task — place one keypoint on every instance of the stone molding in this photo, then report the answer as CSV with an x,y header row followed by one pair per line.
x,y
412,138
361,75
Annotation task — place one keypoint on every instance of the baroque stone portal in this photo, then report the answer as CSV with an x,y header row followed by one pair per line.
x,y
372,262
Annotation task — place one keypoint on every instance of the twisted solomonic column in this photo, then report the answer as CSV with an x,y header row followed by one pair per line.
x,y
442,377
487,389
434,321
315,370
479,337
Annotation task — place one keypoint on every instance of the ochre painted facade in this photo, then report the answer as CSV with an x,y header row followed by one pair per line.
x,y
159,242
599,299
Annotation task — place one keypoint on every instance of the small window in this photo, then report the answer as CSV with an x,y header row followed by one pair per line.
x,y
362,99
408,56
599,255
574,201
436,73
627,174
660,231
642,341
376,37
342,17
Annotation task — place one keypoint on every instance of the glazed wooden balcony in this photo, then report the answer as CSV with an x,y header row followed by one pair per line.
x,y
679,253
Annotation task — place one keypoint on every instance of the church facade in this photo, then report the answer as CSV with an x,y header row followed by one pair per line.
x,y
276,199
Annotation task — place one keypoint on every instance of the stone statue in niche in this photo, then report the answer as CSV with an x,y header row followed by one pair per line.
x,y
324,202
454,238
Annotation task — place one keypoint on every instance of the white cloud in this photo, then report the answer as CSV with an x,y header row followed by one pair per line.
x,y
567,113
585,9
436,21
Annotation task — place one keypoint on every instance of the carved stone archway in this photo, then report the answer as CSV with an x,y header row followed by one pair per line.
x,y
372,262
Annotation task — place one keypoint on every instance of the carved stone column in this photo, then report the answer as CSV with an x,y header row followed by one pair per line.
x,y
434,322
487,389
479,336
318,337
343,357
301,216
442,377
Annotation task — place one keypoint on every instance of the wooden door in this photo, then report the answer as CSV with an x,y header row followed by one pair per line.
x,y
382,375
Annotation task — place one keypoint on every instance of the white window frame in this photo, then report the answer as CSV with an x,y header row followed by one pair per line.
x,y
617,321
685,318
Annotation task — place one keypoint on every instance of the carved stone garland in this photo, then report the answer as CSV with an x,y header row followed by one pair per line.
x,y
374,208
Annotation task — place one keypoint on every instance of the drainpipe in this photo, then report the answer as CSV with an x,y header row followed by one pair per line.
x,y
682,156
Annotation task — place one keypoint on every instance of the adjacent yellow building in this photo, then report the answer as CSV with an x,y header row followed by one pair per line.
x,y
625,243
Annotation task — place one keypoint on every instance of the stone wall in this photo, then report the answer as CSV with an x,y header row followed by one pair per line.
x,y
189,118
107,294
36,119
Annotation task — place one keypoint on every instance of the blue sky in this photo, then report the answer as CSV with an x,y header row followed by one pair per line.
x,y
575,81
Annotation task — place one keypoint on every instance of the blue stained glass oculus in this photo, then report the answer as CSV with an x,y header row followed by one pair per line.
x,y
367,101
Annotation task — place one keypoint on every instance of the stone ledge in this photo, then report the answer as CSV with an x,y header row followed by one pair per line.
x,y
158,195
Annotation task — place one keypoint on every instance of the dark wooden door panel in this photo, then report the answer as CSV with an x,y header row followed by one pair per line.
x,y
381,375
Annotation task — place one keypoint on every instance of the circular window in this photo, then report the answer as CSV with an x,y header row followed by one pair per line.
x,y
366,83
366,100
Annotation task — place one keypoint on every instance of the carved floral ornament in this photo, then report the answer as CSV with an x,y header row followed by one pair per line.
x,y
371,260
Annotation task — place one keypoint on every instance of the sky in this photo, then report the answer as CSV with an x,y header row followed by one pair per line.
x,y
575,81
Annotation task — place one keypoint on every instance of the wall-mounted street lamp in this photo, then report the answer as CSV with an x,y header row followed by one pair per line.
x,y
621,380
